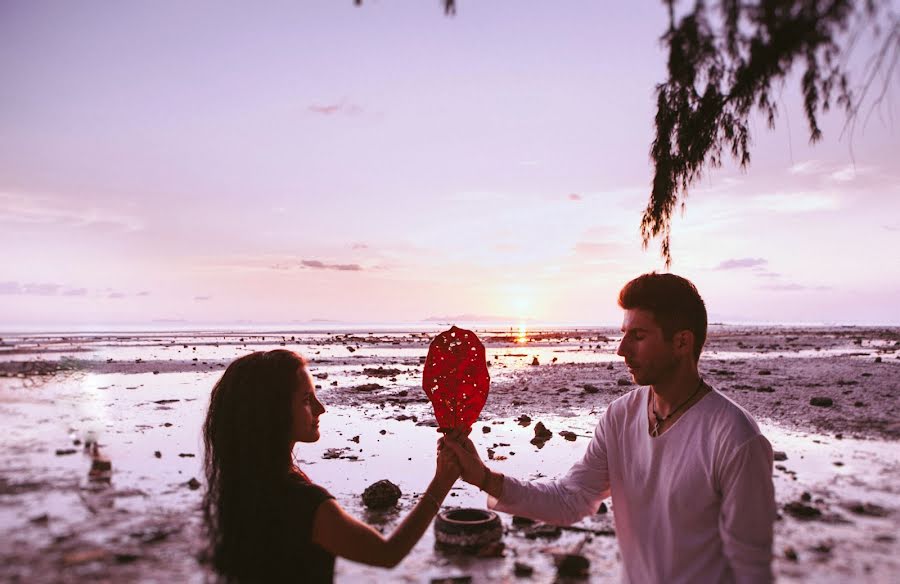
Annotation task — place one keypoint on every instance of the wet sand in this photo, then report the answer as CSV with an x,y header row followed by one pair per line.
x,y
143,397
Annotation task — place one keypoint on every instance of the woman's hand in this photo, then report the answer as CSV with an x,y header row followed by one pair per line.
x,y
447,468
472,469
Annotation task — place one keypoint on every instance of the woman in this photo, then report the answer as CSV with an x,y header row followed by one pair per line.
x,y
266,520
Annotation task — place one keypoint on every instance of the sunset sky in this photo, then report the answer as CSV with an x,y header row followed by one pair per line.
x,y
279,162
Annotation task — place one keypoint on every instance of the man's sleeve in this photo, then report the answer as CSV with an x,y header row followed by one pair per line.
x,y
748,511
565,500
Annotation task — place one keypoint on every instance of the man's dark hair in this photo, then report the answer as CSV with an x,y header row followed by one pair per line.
x,y
672,300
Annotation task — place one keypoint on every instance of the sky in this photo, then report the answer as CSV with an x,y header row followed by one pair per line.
x,y
287,162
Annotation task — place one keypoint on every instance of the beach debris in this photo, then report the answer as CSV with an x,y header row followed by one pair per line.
x,y
543,530
867,509
522,570
65,451
568,435
541,435
186,455
590,388
524,420
355,439
780,455
535,362
157,454
381,495
800,510
485,429
822,402
381,372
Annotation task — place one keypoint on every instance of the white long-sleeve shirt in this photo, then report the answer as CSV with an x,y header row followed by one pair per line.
x,y
695,504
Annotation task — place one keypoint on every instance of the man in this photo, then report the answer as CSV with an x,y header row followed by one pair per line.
x,y
689,472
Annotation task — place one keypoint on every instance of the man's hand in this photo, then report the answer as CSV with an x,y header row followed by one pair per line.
x,y
473,470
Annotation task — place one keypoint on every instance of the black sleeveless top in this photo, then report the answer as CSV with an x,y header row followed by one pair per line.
x,y
310,563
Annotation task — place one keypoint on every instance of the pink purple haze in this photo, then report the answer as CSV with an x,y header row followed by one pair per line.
x,y
280,162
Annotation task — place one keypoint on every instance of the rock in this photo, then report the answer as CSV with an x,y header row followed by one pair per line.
x,y
351,349
522,570
806,497
602,509
42,519
822,402
519,521
802,511
790,554
157,454
193,484
535,362
624,382
589,388
355,439
65,451
544,531
764,372
867,509
570,436
878,359
368,387
859,404
452,580
381,372
485,429
321,375
381,495
572,566
524,420
541,431
780,455
186,455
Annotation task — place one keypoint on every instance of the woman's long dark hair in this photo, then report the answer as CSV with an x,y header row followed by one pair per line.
x,y
248,462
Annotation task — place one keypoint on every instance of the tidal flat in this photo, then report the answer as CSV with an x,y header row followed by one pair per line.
x,y
826,397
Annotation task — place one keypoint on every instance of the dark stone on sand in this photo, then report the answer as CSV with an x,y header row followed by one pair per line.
x,y
524,420
790,554
485,429
193,484
519,521
602,509
522,570
822,402
780,455
381,495
42,519
367,387
452,580
868,509
765,389
589,388
355,439
803,511
535,362
100,465
382,432
157,454
859,404
624,382
570,436
878,359
65,451
543,530
764,372
381,372
806,497
572,566
351,349
541,431
186,455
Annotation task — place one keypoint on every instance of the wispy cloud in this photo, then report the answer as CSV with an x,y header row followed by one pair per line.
x,y
12,288
319,265
574,197
202,298
741,263
17,208
358,246
807,167
340,108
75,292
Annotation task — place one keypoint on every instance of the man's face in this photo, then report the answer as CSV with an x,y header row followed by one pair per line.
x,y
650,358
305,409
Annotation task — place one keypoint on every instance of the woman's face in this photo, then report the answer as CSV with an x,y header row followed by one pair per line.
x,y
305,409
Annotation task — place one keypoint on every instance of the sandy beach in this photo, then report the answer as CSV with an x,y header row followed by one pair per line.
x,y
826,397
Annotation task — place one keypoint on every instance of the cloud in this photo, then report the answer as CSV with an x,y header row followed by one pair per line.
x,y
143,293
75,292
574,197
737,264
116,295
892,227
795,288
359,246
317,265
807,167
56,212
202,298
331,109
10,288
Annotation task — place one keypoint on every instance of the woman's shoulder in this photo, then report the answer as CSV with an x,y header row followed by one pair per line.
x,y
300,486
